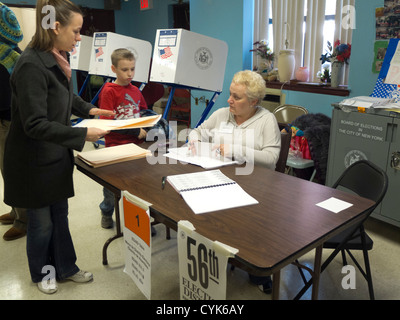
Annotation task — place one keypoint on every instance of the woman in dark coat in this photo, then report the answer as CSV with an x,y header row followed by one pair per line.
x,y
39,163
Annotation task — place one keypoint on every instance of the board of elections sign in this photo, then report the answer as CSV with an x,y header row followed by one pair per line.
x,y
202,265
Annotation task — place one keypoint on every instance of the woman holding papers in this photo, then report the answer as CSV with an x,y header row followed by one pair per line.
x,y
244,131
39,161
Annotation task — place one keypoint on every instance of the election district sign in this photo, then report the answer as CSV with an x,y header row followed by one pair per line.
x,y
202,265
137,241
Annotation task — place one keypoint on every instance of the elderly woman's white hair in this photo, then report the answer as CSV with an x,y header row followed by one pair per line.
x,y
254,83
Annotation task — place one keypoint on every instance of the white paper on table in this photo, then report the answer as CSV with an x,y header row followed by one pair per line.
x,y
334,205
206,160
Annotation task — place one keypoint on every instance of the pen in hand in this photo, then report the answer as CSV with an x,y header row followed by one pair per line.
x,y
163,180
191,148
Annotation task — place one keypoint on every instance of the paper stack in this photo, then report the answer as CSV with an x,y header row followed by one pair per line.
x,y
368,102
205,156
144,122
111,155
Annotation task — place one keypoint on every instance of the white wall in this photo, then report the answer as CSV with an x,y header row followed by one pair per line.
x,y
26,18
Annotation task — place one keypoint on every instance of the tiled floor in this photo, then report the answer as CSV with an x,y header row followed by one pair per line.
x,y
110,282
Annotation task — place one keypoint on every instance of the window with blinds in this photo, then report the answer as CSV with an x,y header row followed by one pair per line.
x,y
305,26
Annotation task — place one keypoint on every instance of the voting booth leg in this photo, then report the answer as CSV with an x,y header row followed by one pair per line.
x,y
96,97
208,108
118,225
76,121
84,85
169,103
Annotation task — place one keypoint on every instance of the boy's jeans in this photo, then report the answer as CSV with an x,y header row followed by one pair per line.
x,y
107,206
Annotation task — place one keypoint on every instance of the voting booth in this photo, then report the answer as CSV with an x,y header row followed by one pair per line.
x,y
99,54
182,58
80,58
104,43
80,55
93,55
190,59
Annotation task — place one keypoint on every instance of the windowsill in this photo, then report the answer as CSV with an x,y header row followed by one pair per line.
x,y
318,88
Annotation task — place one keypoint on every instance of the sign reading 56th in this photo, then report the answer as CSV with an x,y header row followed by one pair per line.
x,y
202,265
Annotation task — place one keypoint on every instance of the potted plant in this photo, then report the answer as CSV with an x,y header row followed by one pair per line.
x,y
266,62
340,52
325,75
338,56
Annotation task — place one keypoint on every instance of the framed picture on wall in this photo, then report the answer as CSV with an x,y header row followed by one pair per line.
x,y
379,55
388,20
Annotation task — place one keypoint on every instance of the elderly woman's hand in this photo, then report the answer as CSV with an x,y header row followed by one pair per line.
x,y
223,150
192,147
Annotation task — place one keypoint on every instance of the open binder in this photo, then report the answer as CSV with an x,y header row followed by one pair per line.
x,y
210,191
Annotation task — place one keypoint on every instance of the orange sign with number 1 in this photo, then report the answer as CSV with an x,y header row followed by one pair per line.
x,y
137,220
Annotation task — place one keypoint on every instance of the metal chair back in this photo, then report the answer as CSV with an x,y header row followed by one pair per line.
x,y
287,113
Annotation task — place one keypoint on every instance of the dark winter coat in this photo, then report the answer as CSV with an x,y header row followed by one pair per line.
x,y
38,161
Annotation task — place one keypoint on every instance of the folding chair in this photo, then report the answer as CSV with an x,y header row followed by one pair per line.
x,y
286,137
288,112
368,181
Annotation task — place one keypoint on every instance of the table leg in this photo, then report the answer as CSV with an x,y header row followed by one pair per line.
x,y
317,272
276,280
108,242
119,234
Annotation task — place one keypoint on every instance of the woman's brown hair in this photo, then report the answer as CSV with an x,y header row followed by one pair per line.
x,y
44,37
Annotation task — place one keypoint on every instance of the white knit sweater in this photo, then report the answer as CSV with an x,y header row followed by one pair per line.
x,y
258,140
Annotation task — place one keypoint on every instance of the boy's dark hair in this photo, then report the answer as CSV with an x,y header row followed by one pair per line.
x,y
121,54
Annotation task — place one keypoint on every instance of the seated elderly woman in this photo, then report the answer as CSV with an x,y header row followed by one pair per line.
x,y
244,131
